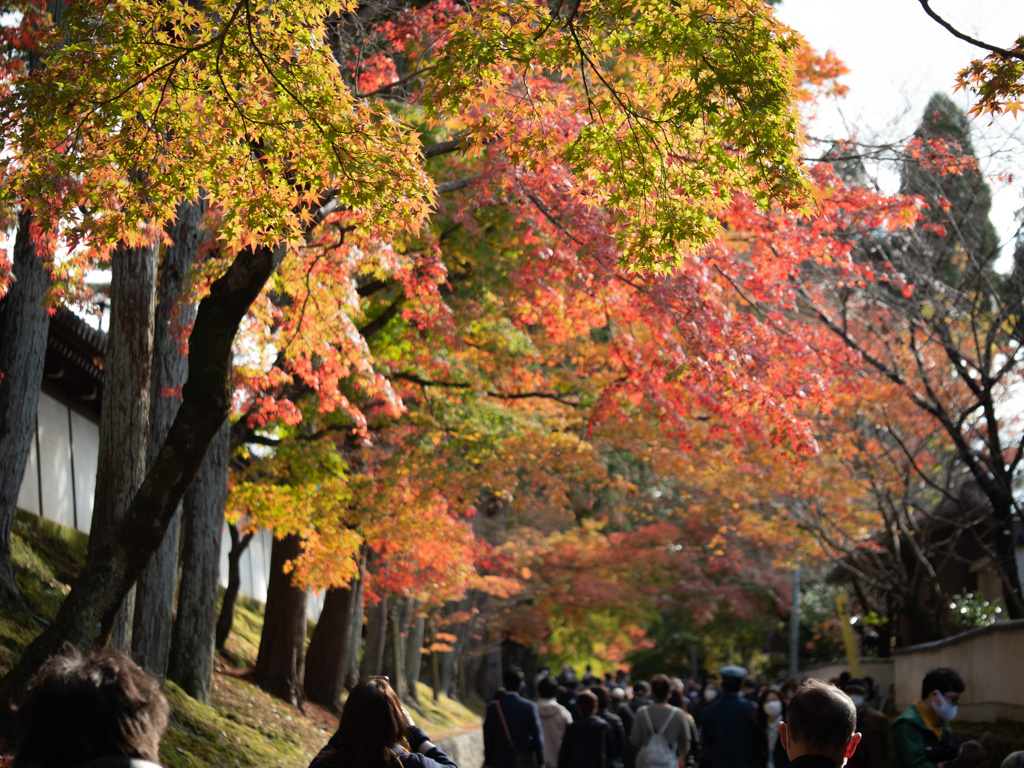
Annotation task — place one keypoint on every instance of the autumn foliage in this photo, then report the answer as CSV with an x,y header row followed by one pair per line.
x,y
542,328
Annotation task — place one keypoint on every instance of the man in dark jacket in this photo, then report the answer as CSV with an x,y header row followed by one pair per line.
x,y
618,729
727,734
588,742
820,727
512,725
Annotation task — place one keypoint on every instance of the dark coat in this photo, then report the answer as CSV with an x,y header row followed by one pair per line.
x,y
873,750
434,758
523,724
781,757
584,742
728,736
618,740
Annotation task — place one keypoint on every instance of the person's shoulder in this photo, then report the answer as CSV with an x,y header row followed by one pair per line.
x,y
416,760
910,714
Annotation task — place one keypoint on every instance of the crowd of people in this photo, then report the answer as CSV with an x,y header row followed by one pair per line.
x,y
109,713
727,722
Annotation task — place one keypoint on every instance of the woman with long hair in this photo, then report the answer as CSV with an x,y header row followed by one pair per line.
x,y
376,732
771,709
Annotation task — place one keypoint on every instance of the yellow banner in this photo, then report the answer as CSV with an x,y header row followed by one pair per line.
x,y
852,646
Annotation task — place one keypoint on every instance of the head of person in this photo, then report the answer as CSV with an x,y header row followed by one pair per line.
x,y
586,703
604,698
710,692
857,690
619,694
372,721
770,705
82,707
661,687
941,689
513,679
547,688
820,720
732,678
641,688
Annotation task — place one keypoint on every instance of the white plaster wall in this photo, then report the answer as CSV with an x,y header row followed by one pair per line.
x,y
28,493
86,438
55,461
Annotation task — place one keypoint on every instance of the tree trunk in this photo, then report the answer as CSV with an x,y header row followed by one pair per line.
x,y
393,660
24,326
154,593
279,663
435,662
86,616
414,648
451,660
356,643
124,417
191,656
227,608
376,639
328,652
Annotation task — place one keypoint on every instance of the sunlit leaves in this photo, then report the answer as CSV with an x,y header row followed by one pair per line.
x,y
144,103
680,107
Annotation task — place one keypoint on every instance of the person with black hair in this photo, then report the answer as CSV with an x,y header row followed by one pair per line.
x,y
768,749
873,750
99,710
588,742
375,731
820,727
512,732
728,732
554,718
615,724
921,735
660,717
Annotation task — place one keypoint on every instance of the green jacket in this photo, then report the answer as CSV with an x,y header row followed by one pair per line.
x,y
910,738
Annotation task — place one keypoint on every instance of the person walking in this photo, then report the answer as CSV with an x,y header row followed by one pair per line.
x,y
872,725
921,734
375,731
512,732
769,752
727,735
588,742
820,727
554,718
663,719
618,730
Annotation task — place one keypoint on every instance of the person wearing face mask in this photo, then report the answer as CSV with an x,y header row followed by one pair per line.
x,y
769,750
873,750
707,697
921,735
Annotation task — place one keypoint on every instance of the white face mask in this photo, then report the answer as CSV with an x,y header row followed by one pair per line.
x,y
772,708
942,707
710,694
857,699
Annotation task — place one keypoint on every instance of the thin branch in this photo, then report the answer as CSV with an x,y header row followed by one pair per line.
x,y
967,38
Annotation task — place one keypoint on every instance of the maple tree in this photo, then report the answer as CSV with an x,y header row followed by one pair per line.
x,y
248,106
996,81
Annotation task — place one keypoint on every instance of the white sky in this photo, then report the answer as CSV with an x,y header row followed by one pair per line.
x,y
898,57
